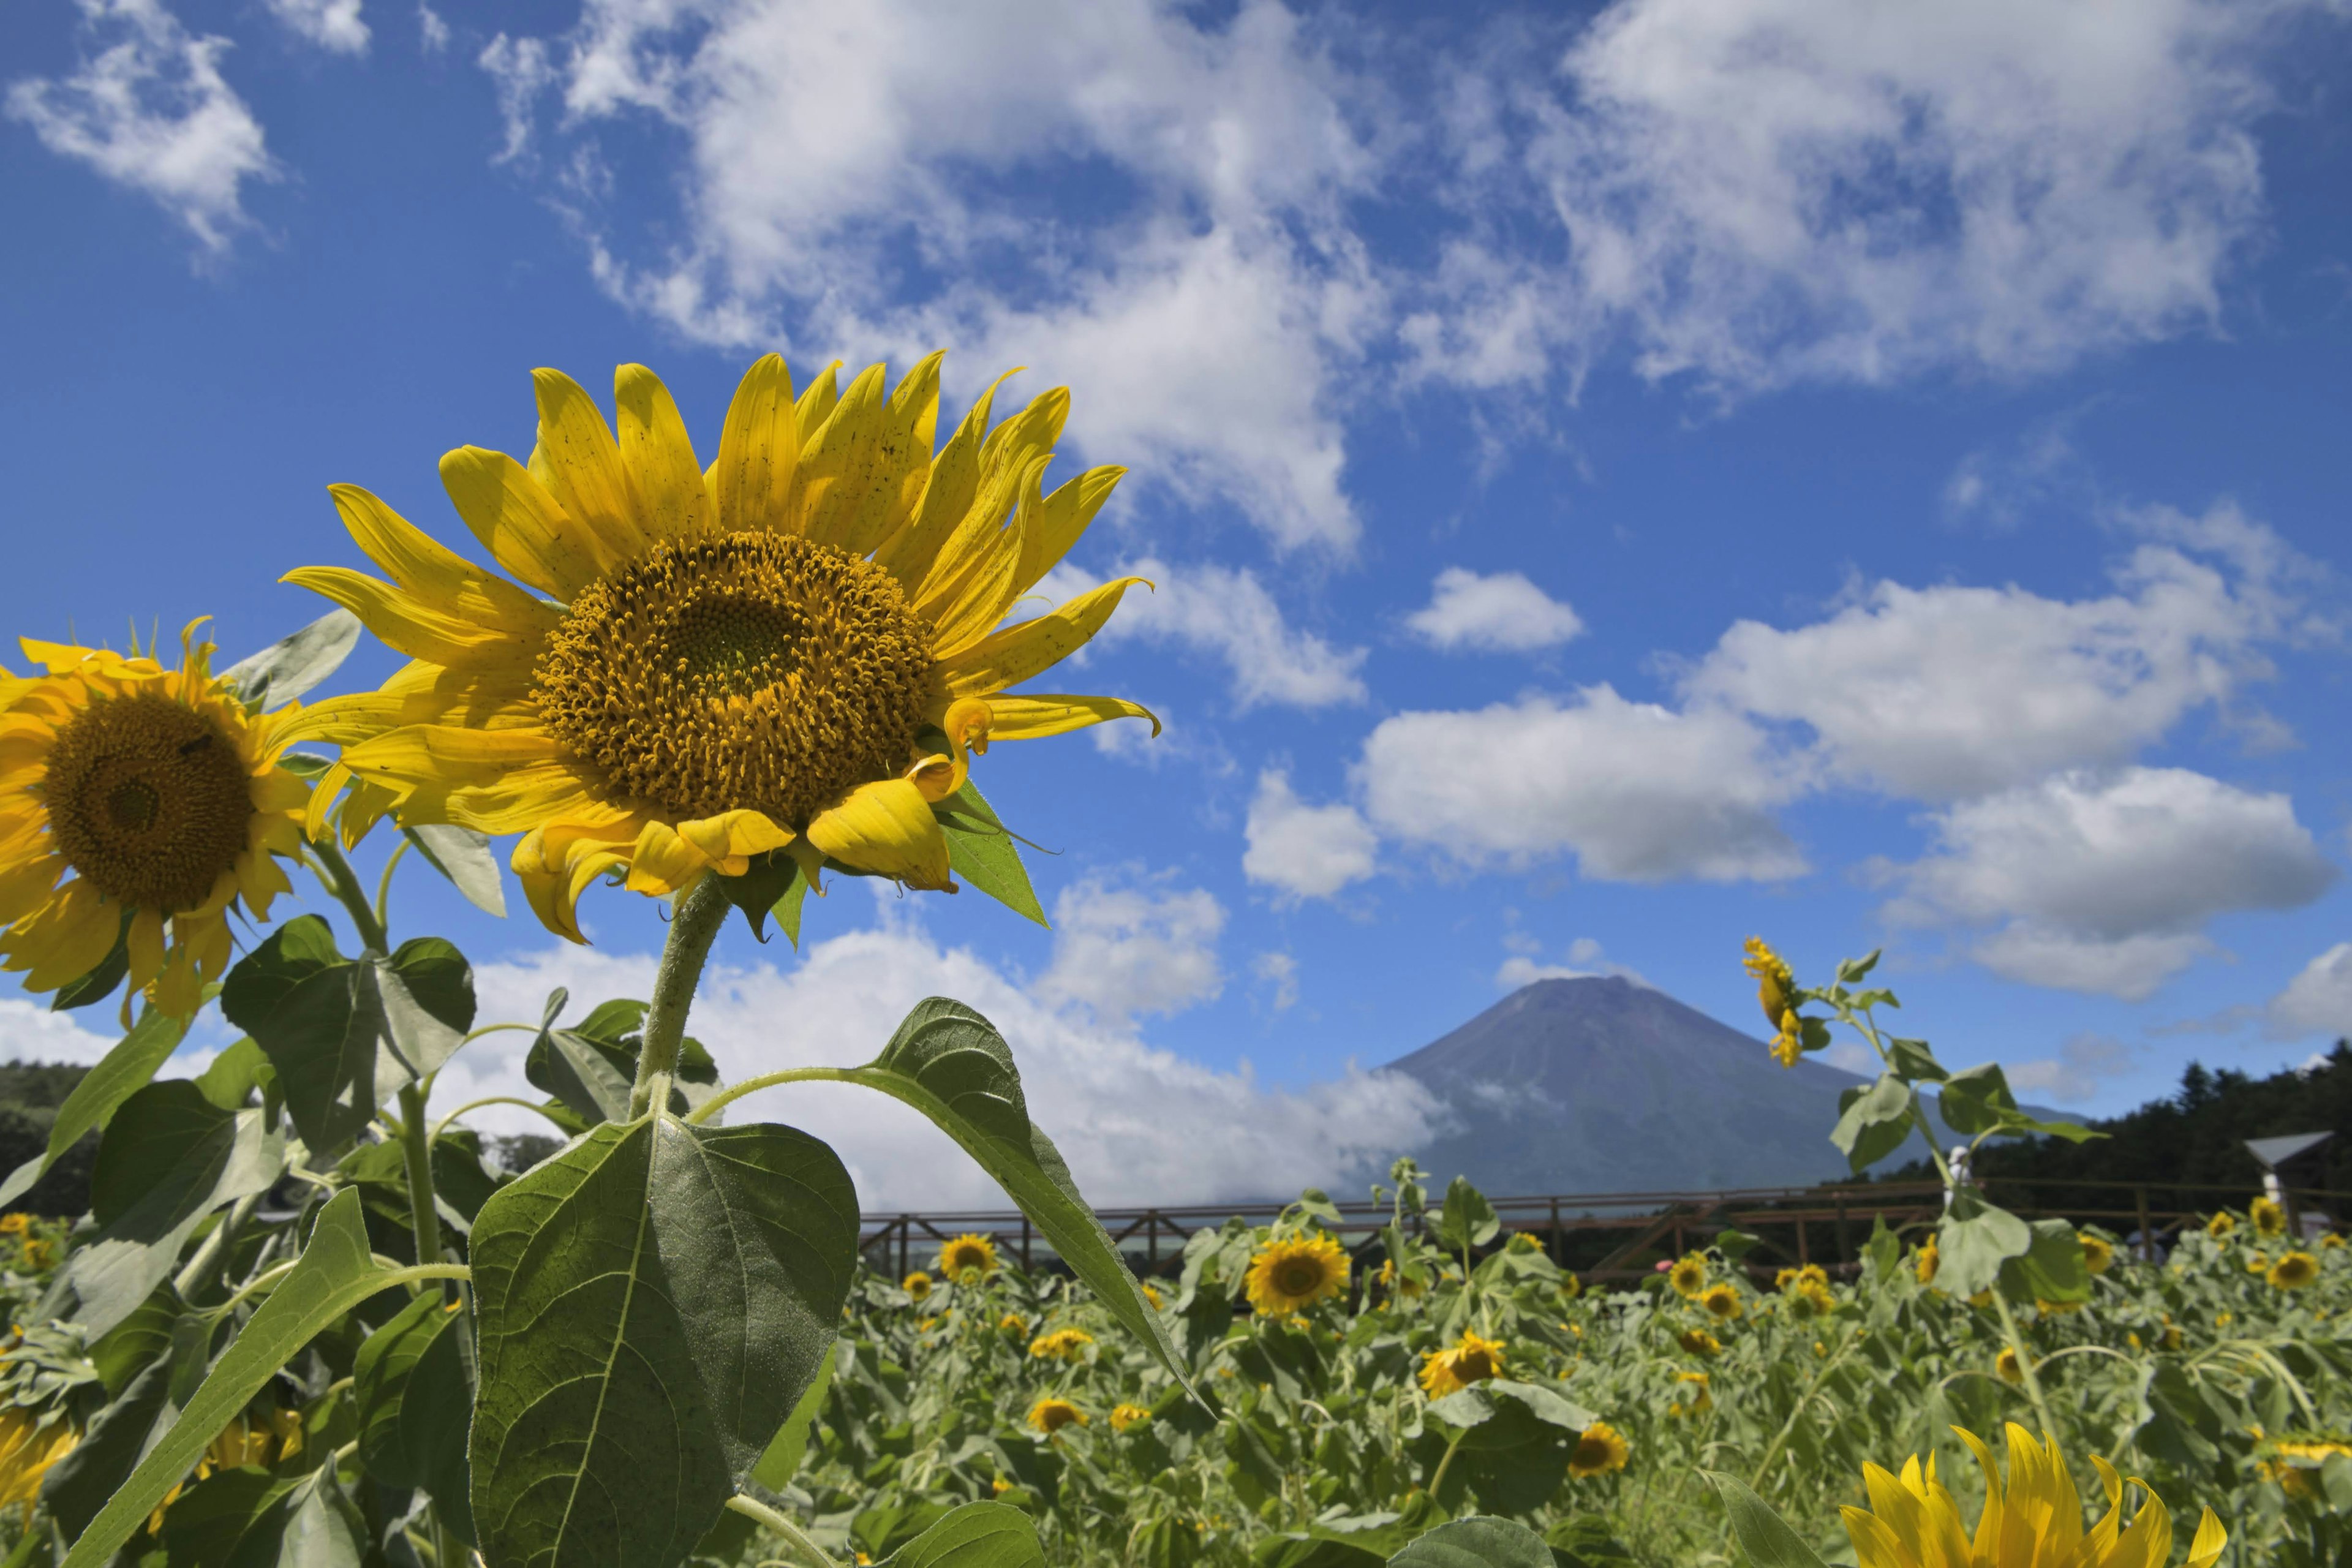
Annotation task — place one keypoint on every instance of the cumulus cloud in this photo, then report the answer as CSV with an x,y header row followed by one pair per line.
x,y
330,24
1772,190
29,1032
1637,792
1945,692
432,32
868,177
1121,951
1306,851
2103,882
1225,612
1136,1125
1277,972
149,110
2317,1001
2084,1066
1503,613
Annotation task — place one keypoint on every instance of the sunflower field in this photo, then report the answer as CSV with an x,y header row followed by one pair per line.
x,y
310,1322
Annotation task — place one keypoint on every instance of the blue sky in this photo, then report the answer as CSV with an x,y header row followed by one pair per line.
x,y
1617,482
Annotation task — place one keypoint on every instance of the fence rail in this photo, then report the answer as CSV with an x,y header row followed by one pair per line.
x,y
1616,1236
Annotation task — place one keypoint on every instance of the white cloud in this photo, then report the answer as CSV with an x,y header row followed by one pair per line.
x,y
2085,1064
1136,1124
29,1032
867,177
2104,882
433,33
518,70
149,110
1945,692
1227,613
329,24
2317,1001
1307,851
1279,972
1768,191
1503,613
1584,962
1124,951
1638,793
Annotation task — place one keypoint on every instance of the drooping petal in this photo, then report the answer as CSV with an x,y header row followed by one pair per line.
x,y
524,528
582,466
1031,716
662,863
659,456
887,828
145,942
1016,653
729,839
759,452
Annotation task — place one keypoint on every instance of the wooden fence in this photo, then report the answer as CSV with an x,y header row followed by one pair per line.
x,y
1618,1236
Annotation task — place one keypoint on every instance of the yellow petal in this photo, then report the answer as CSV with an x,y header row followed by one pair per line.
x,y
863,470
582,466
815,405
524,528
659,456
759,452
2205,1548
886,828
556,863
947,493
65,939
435,575
145,940
1875,1545
1016,653
415,629
729,839
1059,521
966,725
661,862
27,885
970,584
1030,716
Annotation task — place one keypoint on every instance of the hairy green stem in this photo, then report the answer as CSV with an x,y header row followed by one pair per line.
x,y
383,884
782,1524
417,1146
443,1125
344,883
735,1091
694,923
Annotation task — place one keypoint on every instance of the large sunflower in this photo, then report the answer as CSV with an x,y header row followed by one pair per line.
x,y
1293,1272
160,795
1914,1521
790,650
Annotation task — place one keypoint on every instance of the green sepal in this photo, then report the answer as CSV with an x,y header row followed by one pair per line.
x,y
982,850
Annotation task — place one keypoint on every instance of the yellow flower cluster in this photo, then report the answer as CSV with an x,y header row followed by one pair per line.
x,y
1062,1344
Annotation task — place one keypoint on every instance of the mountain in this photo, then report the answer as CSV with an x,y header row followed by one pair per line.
x,y
1597,1084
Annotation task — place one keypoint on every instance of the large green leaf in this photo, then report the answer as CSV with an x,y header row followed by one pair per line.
x,y
1762,1535
410,1383
292,664
1974,1240
1468,1220
1478,1542
120,1074
464,857
591,1069
653,1301
2050,1269
1502,1413
1873,1123
335,1273
951,1064
346,1035
977,1536
169,1157
782,1462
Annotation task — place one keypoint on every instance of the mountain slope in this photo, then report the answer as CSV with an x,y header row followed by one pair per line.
x,y
1600,1085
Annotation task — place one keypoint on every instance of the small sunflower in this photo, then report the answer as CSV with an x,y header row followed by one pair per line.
x,y
16,1224
1699,1342
1689,1276
1151,1294
1525,1241
2221,1225
2258,1262
1817,1299
1776,988
2098,1252
791,651
2010,1368
967,1258
918,1285
1012,1325
1926,1261
1126,1416
29,1444
1721,1302
1292,1272
2294,1271
160,795
2056,1309
1049,1415
2293,1464
1701,1401
1600,1451
1062,1344
1914,1521
1472,1359
2329,1241
2269,1218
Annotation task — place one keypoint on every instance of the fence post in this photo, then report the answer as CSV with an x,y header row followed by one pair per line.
x,y
1804,1253
906,1241
1558,1247
2147,1231
1151,1238
1025,1244
1844,1240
